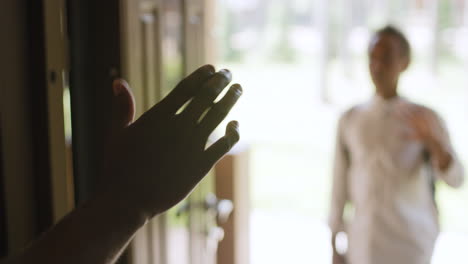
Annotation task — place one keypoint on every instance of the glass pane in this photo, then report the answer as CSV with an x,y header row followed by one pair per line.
x,y
173,65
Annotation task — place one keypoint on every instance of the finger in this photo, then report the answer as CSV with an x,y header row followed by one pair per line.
x,y
123,105
415,116
186,89
220,110
414,129
425,118
223,145
204,99
435,126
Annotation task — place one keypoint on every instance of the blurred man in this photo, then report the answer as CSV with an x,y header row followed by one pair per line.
x,y
389,151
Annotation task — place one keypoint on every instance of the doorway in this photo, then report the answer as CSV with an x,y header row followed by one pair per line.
x,y
302,63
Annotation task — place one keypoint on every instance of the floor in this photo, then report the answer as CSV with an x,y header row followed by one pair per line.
x,y
279,238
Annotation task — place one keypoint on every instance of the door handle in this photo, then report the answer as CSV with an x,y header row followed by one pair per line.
x,y
222,208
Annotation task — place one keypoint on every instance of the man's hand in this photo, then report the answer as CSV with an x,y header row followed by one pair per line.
x,y
425,127
156,161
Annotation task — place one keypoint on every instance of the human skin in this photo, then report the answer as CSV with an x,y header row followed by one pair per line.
x,y
151,165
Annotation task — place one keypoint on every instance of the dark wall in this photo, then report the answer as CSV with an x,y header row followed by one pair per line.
x,y
25,201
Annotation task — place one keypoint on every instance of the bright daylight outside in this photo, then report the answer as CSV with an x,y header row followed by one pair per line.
x,y
301,64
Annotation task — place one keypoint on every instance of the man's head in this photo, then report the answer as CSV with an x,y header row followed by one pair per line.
x,y
389,56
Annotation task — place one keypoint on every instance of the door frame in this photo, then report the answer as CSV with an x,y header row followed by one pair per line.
x,y
56,60
149,245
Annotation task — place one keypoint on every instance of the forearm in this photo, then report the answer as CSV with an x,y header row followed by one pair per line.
x,y
96,233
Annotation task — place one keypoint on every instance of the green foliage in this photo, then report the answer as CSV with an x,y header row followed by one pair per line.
x,y
446,14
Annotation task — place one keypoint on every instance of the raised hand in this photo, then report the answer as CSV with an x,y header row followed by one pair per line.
x,y
156,161
425,127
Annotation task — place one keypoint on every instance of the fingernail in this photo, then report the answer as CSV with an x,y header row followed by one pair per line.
x,y
234,124
237,89
209,68
226,73
233,132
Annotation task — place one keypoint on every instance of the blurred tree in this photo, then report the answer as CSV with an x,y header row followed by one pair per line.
x,y
228,30
282,50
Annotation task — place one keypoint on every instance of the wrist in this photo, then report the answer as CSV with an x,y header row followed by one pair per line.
x,y
123,196
121,207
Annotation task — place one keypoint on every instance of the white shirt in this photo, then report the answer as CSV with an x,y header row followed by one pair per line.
x,y
384,176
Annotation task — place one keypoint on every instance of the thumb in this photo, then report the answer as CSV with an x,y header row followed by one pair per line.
x,y
123,105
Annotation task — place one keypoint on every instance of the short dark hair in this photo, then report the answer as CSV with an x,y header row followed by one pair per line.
x,y
390,30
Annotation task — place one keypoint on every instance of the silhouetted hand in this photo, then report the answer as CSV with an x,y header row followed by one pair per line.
x,y
156,161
